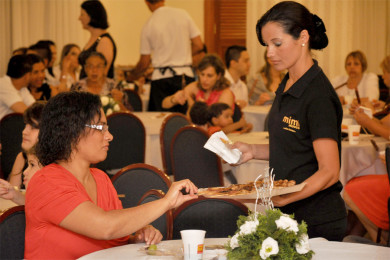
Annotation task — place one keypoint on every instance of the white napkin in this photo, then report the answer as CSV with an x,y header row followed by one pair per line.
x,y
367,111
216,145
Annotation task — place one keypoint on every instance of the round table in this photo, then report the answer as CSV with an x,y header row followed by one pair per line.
x,y
322,248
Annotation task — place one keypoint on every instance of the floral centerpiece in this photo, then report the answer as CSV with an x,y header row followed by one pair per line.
x,y
273,235
109,105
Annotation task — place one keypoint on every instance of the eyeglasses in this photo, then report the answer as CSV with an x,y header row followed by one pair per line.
x,y
102,128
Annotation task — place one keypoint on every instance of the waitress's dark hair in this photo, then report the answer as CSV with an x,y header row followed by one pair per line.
x,y
294,18
63,124
97,13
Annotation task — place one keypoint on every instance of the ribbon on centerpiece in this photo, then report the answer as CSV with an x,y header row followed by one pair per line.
x,y
264,191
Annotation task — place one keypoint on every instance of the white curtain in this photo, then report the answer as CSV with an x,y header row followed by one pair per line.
x,y
351,25
24,22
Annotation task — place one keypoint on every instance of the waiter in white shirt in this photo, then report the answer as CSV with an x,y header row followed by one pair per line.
x,y
171,36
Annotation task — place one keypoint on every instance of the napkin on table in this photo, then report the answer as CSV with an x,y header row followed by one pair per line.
x,y
217,144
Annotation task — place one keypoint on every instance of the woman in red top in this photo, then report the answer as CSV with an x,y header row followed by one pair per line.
x,y
72,209
212,87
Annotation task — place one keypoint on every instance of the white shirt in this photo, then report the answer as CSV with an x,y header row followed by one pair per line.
x,y
9,95
167,37
238,88
368,87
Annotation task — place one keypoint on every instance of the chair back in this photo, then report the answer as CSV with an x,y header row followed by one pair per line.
x,y
133,181
164,223
11,128
12,232
134,99
169,127
217,216
191,161
128,145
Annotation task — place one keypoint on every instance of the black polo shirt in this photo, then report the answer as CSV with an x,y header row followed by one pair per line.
x,y
309,110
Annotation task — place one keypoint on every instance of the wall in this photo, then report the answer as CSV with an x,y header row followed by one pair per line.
x,y
127,17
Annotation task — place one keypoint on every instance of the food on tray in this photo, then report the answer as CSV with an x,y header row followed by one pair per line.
x,y
239,189
248,191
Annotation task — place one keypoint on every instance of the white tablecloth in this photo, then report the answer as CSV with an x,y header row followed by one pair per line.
x,y
152,122
322,248
356,160
256,115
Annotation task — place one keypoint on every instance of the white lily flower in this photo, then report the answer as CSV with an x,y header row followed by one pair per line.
x,y
249,227
269,247
303,245
104,100
234,241
117,107
287,223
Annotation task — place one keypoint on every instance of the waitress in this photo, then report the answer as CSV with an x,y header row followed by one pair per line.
x,y
304,121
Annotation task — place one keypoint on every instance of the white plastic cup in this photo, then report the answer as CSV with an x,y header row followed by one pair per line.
x,y
193,243
353,134
345,123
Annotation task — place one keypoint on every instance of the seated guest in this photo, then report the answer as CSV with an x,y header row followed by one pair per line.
x,y
32,119
97,83
262,88
14,95
20,51
49,74
69,200
366,83
9,192
238,65
38,87
68,71
199,115
221,118
367,195
212,87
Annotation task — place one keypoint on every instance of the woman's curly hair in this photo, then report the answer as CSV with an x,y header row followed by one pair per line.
x,y
63,124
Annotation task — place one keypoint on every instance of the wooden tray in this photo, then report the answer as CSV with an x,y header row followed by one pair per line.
x,y
252,195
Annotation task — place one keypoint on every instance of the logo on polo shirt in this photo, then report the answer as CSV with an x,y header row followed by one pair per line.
x,y
292,124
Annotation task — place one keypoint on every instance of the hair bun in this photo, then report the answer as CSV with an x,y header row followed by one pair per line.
x,y
319,24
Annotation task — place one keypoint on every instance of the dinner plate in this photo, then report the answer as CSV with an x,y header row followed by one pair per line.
x,y
253,195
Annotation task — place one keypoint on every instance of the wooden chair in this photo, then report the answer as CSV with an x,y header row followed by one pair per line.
x,y
133,181
163,223
128,145
12,232
134,99
169,127
190,160
11,128
217,216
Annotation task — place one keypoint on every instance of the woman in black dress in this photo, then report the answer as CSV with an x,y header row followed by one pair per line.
x,y
93,17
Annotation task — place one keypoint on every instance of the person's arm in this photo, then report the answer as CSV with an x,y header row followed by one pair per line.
x,y
234,126
142,65
18,107
196,45
178,98
106,47
8,192
89,220
15,176
227,97
381,128
327,155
